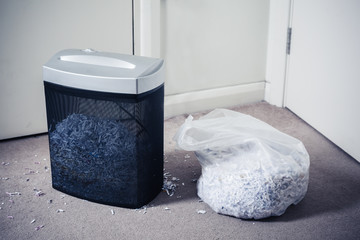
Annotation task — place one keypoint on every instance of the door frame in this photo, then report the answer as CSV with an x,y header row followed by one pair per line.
x,y
280,18
147,27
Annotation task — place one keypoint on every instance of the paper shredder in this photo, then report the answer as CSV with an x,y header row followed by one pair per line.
x,y
105,115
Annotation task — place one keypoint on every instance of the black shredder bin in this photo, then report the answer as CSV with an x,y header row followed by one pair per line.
x,y
105,114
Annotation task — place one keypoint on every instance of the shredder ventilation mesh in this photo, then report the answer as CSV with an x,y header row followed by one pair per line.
x,y
106,147
102,151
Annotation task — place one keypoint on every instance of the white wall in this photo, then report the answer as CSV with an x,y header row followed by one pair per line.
x,y
214,51
212,43
31,32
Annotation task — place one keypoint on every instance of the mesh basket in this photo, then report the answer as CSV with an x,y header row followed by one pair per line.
x,y
106,147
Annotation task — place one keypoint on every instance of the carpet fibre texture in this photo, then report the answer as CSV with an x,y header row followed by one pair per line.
x,y
32,209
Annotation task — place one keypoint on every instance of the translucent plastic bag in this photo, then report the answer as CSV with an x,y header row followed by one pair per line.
x,y
249,169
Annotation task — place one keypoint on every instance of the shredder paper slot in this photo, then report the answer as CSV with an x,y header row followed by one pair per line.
x,y
98,60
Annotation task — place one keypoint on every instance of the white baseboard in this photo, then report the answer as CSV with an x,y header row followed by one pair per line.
x,y
213,98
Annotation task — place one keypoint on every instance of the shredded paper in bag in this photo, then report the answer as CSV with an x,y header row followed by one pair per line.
x,y
249,169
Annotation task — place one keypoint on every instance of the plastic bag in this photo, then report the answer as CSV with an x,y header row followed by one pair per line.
x,y
249,169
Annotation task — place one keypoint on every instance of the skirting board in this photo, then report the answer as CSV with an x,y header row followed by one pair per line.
x,y
213,98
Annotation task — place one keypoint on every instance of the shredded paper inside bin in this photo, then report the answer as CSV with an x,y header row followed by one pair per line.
x,y
93,156
249,169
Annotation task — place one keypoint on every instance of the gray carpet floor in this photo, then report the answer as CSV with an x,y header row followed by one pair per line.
x,y
330,209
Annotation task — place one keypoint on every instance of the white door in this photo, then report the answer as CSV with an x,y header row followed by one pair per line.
x,y
31,32
323,82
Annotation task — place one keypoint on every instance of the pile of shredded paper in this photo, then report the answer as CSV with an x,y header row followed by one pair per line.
x,y
90,153
250,192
